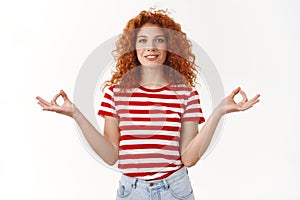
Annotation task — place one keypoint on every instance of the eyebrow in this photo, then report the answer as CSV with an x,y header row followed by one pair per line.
x,y
155,36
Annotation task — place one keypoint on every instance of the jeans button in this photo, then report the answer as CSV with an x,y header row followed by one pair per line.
x,y
151,184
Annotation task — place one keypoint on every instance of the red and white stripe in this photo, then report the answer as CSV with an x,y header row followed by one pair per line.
x,y
150,123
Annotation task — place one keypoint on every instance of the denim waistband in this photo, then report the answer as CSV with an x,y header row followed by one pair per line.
x,y
137,182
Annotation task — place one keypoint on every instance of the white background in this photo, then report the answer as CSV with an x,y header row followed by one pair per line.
x,y
254,44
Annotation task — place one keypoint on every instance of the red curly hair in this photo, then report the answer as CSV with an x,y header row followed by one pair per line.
x,y
179,54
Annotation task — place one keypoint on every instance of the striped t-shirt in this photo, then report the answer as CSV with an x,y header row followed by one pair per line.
x,y
149,123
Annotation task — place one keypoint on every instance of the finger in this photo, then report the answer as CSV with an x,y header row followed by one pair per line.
x,y
42,104
254,98
64,95
49,109
53,101
245,99
53,108
45,107
250,103
43,101
235,91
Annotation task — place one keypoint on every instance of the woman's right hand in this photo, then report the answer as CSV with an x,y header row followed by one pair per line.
x,y
67,108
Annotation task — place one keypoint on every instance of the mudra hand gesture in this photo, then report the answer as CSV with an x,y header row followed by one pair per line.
x,y
67,108
228,104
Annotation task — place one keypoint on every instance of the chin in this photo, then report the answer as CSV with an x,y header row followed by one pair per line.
x,y
152,64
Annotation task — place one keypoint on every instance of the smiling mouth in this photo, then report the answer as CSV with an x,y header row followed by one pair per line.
x,y
151,57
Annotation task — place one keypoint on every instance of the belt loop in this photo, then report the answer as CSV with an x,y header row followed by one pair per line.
x,y
166,184
135,183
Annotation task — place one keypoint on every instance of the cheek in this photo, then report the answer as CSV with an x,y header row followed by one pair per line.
x,y
164,55
163,50
139,54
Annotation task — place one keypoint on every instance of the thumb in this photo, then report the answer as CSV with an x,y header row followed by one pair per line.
x,y
235,91
64,95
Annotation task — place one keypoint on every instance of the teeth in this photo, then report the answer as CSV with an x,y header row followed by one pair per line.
x,y
150,56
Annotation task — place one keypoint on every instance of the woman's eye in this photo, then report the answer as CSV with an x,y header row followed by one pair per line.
x,y
160,40
142,40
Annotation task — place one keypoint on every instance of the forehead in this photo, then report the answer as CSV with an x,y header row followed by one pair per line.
x,y
150,30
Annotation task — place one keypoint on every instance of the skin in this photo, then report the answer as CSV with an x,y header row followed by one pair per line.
x,y
151,40
193,142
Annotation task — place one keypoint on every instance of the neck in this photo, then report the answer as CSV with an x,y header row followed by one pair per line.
x,y
153,77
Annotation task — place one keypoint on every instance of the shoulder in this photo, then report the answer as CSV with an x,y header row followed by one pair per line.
x,y
112,88
184,89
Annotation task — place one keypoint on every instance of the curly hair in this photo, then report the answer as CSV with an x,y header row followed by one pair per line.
x,y
179,52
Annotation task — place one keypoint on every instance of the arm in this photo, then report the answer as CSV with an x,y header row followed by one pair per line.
x,y
105,146
196,142
193,143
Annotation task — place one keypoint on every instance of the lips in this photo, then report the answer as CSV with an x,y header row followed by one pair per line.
x,y
151,57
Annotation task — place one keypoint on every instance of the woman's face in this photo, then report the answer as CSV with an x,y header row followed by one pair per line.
x,y
151,45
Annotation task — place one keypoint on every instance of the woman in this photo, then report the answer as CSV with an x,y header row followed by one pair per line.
x,y
152,111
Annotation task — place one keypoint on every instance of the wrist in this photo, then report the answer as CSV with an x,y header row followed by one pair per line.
x,y
76,114
219,111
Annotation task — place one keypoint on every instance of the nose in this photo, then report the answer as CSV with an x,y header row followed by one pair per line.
x,y
151,49
151,46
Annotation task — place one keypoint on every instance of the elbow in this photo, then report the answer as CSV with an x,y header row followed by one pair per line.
x,y
189,162
111,159
111,163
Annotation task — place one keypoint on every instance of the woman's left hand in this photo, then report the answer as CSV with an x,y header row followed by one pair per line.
x,y
228,104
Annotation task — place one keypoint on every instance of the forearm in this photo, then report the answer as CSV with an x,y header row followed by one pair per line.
x,y
198,145
201,141
99,143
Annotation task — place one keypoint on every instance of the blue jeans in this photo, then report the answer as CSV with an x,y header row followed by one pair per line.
x,y
176,186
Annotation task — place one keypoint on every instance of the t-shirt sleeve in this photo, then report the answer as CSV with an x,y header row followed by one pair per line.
x,y
193,111
107,106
